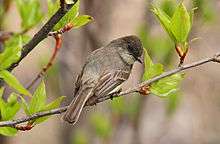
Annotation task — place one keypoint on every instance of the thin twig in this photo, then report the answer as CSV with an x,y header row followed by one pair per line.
x,y
91,102
42,33
58,37
50,63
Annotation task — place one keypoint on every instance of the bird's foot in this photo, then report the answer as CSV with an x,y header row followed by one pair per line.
x,y
112,95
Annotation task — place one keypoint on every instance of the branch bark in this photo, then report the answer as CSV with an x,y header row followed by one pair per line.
x,y
42,33
91,102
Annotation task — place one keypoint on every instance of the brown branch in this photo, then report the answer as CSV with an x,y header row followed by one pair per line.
x,y
42,33
58,37
50,63
91,102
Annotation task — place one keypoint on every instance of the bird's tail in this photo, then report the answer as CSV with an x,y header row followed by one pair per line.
x,y
75,108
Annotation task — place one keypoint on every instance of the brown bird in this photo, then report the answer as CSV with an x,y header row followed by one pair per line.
x,y
103,72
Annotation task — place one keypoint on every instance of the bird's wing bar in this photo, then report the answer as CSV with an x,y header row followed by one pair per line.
x,y
109,81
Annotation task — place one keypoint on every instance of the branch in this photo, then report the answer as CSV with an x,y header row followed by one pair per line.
x,y
58,37
93,101
42,33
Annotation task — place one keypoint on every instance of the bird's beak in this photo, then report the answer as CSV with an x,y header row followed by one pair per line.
x,y
139,60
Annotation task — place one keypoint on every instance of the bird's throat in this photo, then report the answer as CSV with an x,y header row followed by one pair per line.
x,y
127,58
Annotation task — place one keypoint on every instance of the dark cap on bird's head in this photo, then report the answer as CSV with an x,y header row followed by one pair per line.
x,y
133,45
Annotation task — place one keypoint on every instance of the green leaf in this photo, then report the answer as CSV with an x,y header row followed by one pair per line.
x,y
12,81
11,53
166,86
147,60
30,13
159,46
164,19
151,70
52,7
69,17
24,105
55,104
180,24
7,111
10,108
101,124
38,100
81,20
168,6
8,131
12,99
25,39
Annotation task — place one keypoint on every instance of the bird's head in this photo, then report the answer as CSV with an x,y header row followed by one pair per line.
x,y
131,47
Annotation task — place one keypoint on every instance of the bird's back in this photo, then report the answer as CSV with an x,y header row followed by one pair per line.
x,y
104,59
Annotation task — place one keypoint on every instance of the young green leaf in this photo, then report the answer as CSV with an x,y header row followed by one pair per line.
x,y
180,24
8,131
166,86
12,81
152,69
164,19
147,60
69,17
25,39
7,111
38,100
30,13
54,104
52,7
25,106
10,108
168,6
11,53
81,21
38,103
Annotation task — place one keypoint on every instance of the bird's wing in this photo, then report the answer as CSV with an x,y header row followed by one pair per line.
x,y
77,84
109,81
75,108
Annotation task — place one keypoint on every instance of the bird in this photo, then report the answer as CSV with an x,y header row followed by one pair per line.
x,y
103,73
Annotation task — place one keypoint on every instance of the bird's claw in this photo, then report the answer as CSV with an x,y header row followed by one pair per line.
x,y
112,95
